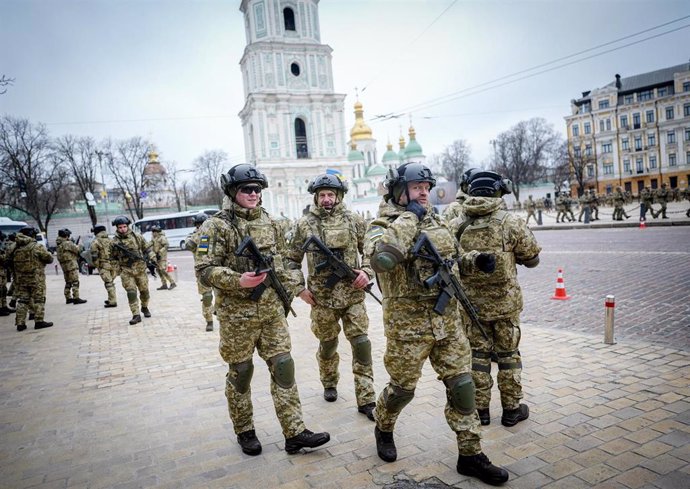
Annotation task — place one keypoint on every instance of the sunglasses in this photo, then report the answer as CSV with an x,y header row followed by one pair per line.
x,y
249,189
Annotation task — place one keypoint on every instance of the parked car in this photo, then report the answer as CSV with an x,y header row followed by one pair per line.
x,y
85,261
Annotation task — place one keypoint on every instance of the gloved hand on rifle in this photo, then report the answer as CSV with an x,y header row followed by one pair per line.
x,y
486,262
417,209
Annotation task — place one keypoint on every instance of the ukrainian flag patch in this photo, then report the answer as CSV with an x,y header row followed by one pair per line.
x,y
202,249
375,232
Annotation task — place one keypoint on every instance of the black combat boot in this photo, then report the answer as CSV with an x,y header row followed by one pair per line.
x,y
135,319
511,417
79,301
249,442
368,410
306,439
4,311
385,446
31,316
42,324
330,394
480,466
108,304
484,416
145,311
21,327
163,287
209,326
173,285
69,301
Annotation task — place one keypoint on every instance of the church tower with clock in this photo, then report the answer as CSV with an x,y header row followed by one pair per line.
x,y
292,119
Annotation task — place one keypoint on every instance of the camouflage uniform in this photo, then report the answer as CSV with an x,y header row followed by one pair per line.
x,y
343,232
618,202
594,204
101,251
585,203
497,296
454,209
560,208
686,193
568,207
206,293
133,271
531,207
413,331
246,325
662,197
647,198
67,254
159,247
28,261
4,311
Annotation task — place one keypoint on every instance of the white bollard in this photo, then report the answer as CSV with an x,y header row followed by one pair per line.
x,y
610,306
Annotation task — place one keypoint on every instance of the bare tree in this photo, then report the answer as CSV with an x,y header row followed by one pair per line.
x,y
4,82
560,170
455,159
178,191
79,156
208,168
524,153
32,179
579,163
126,161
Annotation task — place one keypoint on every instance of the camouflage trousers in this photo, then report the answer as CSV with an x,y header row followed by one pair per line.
x,y
71,283
449,357
268,334
133,279
30,297
162,270
619,212
530,213
504,340
326,327
108,278
647,206
206,300
595,212
3,287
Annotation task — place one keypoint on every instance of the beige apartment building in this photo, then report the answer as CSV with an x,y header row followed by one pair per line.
x,y
634,132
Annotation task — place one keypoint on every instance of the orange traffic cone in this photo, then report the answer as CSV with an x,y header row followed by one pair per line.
x,y
643,224
170,268
560,293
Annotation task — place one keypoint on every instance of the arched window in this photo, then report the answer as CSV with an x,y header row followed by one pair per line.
x,y
289,19
301,139
294,69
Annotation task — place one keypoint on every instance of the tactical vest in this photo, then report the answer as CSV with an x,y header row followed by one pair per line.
x,y
67,253
339,235
262,231
27,263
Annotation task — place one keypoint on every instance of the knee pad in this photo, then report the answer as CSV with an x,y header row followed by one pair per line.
x,y
240,375
506,362
207,299
361,349
480,367
328,348
396,398
460,393
145,296
283,370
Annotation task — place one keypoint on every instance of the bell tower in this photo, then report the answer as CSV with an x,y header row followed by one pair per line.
x,y
292,119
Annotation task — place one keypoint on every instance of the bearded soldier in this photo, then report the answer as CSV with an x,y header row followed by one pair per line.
x,y
67,255
497,296
342,232
131,252
191,244
414,331
159,246
251,304
28,260
101,250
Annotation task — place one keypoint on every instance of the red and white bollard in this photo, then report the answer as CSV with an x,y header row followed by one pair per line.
x,y
610,306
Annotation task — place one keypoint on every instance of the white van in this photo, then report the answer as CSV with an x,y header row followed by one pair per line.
x,y
176,226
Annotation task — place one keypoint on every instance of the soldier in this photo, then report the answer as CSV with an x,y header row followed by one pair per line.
x,y
560,207
67,255
585,204
101,250
662,197
568,206
646,199
686,192
594,204
497,296
28,260
414,332
454,209
4,265
159,246
618,201
252,312
531,207
131,252
343,232
191,244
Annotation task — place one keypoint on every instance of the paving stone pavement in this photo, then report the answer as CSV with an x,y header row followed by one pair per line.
x,y
96,403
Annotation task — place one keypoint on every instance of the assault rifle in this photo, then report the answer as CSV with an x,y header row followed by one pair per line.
x,y
341,270
136,257
446,281
263,264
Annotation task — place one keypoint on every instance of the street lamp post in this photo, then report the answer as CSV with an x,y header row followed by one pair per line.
x,y
104,193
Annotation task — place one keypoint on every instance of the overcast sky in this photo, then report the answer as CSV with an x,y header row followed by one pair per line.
x,y
168,70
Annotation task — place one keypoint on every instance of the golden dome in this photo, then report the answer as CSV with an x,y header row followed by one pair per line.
x,y
360,130
401,142
154,167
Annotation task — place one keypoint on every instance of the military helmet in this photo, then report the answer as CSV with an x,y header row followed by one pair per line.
x,y
488,184
200,218
64,233
29,231
155,228
121,220
465,178
241,174
327,180
397,179
97,229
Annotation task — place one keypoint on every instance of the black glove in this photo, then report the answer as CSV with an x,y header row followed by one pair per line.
x,y
152,269
486,262
417,209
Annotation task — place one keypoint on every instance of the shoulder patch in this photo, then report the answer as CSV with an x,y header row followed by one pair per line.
x,y
374,233
202,249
